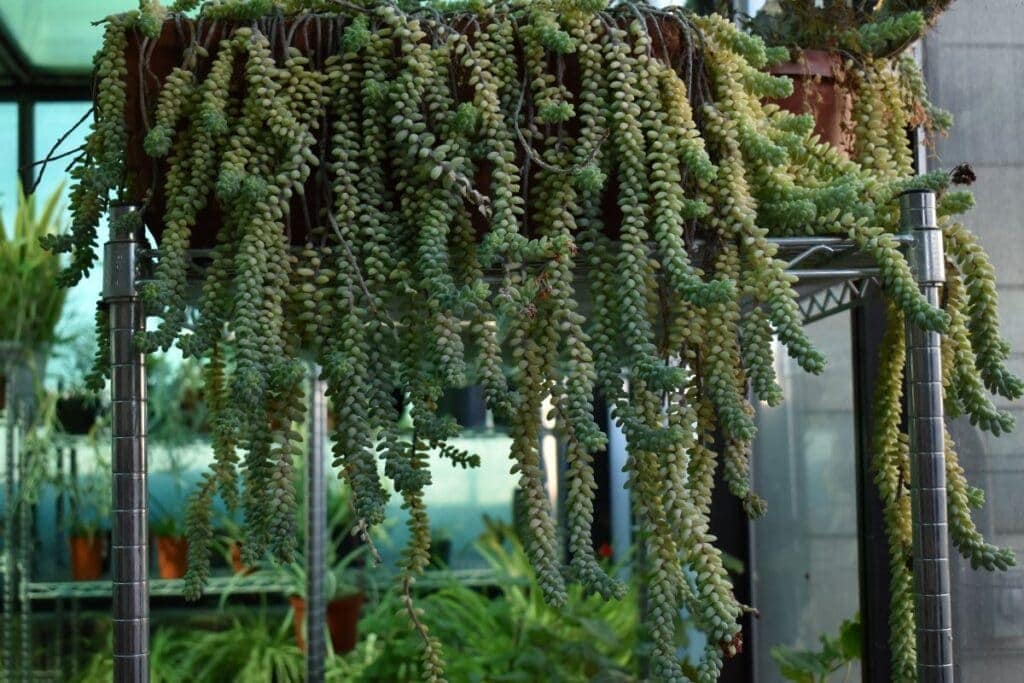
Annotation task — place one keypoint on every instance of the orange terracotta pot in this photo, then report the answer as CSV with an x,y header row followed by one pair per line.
x,y
237,565
87,557
819,89
342,621
171,557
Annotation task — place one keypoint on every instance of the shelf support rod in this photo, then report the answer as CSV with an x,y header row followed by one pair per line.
x,y
316,505
932,607
130,533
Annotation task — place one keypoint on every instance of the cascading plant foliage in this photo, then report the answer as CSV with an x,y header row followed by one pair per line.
x,y
556,199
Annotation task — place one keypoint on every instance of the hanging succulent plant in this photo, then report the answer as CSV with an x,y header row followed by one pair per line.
x,y
410,195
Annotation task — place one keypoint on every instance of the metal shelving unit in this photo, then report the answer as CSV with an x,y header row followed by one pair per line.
x,y
834,276
252,585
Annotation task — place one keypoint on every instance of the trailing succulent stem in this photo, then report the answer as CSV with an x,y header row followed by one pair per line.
x,y
539,198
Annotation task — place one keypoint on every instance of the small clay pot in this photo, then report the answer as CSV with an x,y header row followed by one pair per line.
x,y
87,557
171,557
237,565
819,89
342,621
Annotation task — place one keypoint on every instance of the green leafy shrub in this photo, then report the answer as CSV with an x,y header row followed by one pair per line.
x,y
30,298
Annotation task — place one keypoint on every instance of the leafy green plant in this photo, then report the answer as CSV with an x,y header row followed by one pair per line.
x,y
178,414
836,653
165,522
166,515
30,297
338,581
255,650
526,639
168,648
461,187
861,29
90,500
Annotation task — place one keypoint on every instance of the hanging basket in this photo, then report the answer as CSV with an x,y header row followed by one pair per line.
x,y
76,413
819,89
149,63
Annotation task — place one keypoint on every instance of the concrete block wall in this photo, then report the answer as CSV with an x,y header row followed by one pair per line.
x,y
974,64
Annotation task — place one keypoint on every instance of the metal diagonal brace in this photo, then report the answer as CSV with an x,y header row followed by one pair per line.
x,y
129,549
927,450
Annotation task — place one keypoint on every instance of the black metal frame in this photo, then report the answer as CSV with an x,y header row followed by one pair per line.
x,y
24,83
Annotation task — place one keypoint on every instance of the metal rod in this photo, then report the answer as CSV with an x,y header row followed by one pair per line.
x,y
867,324
26,142
129,547
835,273
316,506
9,585
25,513
59,543
927,450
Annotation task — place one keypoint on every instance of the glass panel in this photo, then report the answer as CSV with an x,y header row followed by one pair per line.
x,y
805,548
8,161
457,499
968,59
58,34
53,119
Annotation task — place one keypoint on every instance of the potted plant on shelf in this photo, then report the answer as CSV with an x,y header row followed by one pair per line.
x,y
88,548
343,595
230,533
88,532
30,297
819,42
168,532
167,524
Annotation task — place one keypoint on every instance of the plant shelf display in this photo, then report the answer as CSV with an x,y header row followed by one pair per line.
x,y
358,173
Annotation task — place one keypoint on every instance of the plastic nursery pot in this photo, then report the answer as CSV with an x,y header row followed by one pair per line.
x,y
76,414
818,89
171,557
342,621
87,557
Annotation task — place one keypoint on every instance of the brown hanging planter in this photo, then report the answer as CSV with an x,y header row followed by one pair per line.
x,y
87,557
342,621
172,557
150,62
819,89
